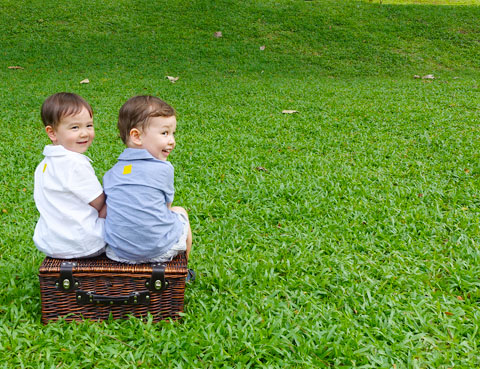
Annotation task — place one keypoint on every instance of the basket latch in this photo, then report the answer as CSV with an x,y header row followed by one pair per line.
x,y
66,282
157,282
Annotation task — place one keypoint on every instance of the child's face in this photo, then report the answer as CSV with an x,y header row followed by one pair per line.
x,y
159,137
73,132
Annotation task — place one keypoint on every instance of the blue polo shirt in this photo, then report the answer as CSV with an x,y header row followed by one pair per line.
x,y
139,224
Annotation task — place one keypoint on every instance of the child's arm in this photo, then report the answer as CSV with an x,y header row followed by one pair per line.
x,y
100,205
103,211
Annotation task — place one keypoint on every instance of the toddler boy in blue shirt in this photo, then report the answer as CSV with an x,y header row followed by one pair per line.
x,y
141,224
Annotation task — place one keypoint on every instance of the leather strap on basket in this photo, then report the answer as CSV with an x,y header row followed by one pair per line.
x,y
157,282
66,282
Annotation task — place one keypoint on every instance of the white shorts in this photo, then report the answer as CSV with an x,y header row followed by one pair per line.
x,y
177,248
95,254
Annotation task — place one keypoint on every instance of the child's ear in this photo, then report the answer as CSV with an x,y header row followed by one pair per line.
x,y
51,133
135,136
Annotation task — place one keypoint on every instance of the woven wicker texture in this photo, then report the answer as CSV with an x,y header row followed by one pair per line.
x,y
105,277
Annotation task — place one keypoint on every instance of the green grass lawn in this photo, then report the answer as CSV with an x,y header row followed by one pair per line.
x,y
427,2
344,236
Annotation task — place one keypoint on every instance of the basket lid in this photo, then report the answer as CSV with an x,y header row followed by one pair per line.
x,y
102,264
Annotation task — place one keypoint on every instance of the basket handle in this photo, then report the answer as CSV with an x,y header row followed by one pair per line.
x,y
134,298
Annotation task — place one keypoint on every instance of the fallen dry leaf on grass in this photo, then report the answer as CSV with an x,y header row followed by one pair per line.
x,y
218,34
15,67
261,169
428,76
173,79
289,111
84,81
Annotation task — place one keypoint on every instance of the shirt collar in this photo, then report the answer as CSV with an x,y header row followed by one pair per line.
x,y
135,154
59,150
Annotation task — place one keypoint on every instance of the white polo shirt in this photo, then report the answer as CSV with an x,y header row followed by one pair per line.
x,y
65,184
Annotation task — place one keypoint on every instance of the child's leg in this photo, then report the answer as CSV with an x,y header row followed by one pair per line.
x,y
179,209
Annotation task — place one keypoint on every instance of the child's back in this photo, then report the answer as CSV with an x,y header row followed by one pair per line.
x,y
139,225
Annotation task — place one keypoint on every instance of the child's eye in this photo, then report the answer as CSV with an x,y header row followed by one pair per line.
x,y
75,128
90,126
165,133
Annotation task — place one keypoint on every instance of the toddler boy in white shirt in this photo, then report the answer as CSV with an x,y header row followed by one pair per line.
x,y
67,193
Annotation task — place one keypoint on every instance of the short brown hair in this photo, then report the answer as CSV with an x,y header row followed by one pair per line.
x,y
137,111
62,104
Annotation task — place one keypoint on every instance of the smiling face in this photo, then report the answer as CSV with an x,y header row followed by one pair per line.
x,y
74,132
158,138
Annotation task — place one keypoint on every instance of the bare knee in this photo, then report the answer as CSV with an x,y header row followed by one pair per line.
x,y
180,210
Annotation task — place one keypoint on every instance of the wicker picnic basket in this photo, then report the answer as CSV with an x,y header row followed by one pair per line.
x,y
97,288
